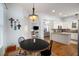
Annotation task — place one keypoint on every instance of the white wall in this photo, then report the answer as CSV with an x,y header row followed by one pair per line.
x,y
3,31
1,25
16,12
68,22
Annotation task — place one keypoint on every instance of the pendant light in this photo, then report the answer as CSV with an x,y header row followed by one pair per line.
x,y
33,16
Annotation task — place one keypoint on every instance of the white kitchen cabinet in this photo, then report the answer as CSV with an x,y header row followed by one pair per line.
x,y
61,38
74,36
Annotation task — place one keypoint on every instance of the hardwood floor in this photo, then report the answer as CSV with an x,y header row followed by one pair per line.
x,y
58,49
64,50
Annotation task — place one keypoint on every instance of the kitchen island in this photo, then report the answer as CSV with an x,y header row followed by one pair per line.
x,y
61,37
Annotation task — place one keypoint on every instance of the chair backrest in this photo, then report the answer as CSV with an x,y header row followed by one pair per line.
x,y
48,51
51,44
21,39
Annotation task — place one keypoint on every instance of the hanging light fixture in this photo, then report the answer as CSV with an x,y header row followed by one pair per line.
x,y
33,16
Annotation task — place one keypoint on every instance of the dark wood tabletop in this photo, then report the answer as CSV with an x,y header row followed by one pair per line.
x,y
29,45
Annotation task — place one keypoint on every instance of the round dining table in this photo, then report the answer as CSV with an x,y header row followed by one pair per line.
x,y
34,45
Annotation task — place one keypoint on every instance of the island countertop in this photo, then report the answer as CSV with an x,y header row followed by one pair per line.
x,y
62,33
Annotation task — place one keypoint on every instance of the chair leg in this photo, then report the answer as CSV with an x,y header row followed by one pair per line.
x,y
20,51
25,52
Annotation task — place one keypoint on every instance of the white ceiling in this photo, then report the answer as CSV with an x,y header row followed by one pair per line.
x,y
61,9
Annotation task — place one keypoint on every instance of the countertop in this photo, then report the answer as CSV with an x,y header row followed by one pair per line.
x,y
62,33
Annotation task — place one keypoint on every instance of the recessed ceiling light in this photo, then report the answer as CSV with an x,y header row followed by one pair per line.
x,y
53,10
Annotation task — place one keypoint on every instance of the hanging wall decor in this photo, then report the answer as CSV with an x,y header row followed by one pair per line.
x,y
11,21
19,26
15,24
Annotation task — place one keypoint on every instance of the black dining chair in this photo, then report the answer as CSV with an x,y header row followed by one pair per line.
x,y
20,39
47,52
